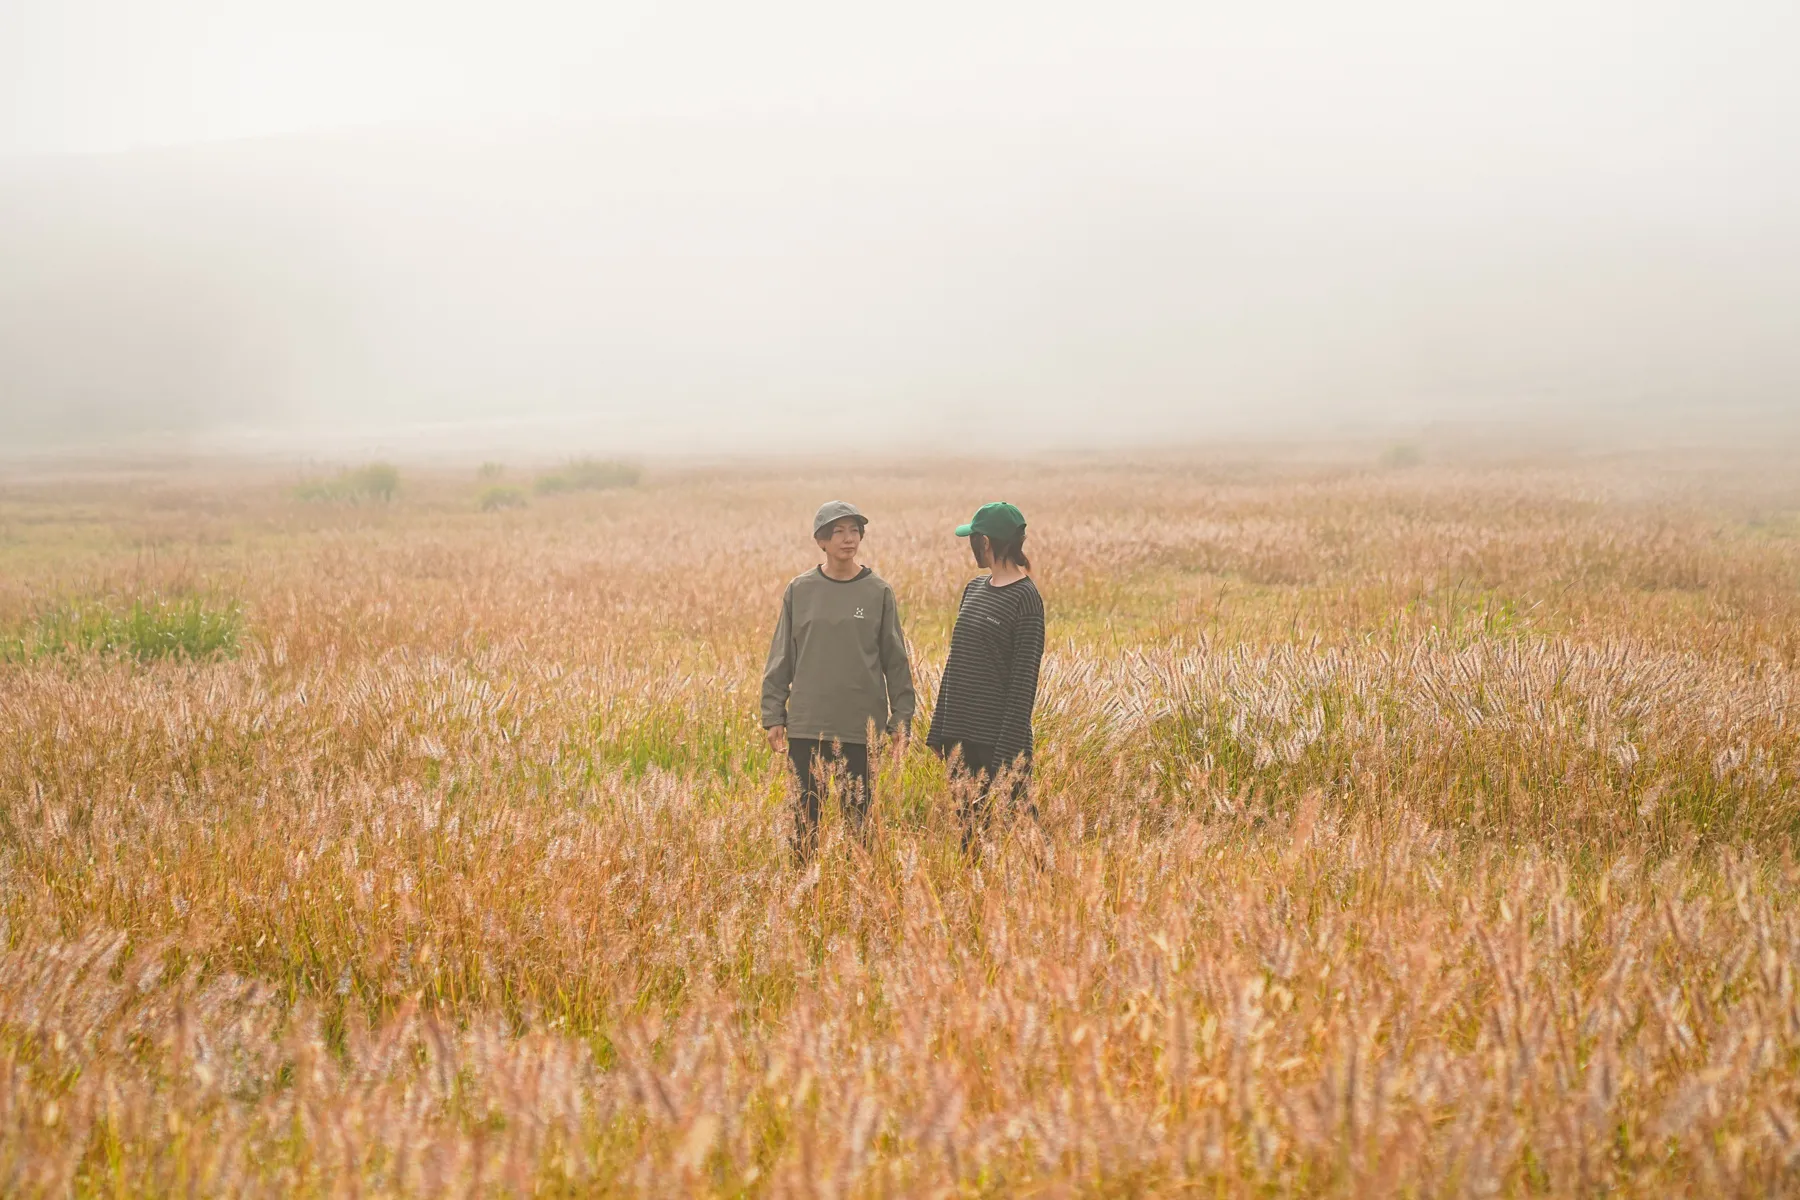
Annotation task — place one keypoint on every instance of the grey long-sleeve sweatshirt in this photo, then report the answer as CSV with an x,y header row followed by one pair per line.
x,y
837,661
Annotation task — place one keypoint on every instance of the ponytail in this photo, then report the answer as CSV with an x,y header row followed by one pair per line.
x,y
1012,551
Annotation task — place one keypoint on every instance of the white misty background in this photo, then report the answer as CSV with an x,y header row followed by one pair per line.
x,y
711,227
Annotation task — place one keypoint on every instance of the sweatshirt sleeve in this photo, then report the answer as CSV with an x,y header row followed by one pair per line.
x,y
894,665
1021,684
778,673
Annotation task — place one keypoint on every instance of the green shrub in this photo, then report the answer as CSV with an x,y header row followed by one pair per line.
x,y
183,627
495,499
590,474
374,483
1402,455
317,491
490,470
377,481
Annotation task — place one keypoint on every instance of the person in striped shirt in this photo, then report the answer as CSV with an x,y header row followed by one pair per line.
x,y
982,723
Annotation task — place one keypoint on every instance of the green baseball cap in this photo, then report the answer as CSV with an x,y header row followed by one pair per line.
x,y
997,520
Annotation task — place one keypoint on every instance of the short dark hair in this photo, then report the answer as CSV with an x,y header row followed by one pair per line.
x,y
1011,550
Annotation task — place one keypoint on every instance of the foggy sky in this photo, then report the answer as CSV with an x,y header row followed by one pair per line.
x,y
714,226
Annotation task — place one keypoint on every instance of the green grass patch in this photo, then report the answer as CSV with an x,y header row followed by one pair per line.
x,y
192,627
590,475
670,742
375,483
498,499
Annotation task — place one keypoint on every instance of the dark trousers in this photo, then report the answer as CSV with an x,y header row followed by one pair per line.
x,y
972,773
815,761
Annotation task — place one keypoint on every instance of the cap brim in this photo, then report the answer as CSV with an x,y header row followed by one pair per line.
x,y
964,530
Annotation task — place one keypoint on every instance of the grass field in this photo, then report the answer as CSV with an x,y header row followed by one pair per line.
x,y
1405,829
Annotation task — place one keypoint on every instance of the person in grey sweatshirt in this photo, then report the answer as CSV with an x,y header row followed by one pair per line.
x,y
837,675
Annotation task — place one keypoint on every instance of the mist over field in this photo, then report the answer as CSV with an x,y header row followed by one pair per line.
x,y
262,232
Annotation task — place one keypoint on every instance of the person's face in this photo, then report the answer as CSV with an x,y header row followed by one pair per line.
x,y
978,546
841,542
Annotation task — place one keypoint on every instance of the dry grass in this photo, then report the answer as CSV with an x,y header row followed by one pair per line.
x,y
1415,832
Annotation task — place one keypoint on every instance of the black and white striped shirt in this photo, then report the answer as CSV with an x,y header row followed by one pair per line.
x,y
990,682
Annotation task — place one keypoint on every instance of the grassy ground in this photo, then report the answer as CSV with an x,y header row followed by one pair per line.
x,y
1403,829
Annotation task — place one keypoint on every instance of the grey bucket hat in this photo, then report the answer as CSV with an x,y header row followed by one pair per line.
x,y
837,510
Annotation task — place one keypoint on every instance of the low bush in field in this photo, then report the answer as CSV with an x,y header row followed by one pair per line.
x,y
183,627
590,474
376,483
495,499
1402,455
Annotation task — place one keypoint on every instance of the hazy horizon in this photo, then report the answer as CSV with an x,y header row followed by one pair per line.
x,y
680,229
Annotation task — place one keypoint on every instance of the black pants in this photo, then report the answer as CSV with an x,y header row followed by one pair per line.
x,y
973,771
814,761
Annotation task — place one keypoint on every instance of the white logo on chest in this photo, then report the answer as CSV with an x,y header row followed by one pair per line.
x,y
859,615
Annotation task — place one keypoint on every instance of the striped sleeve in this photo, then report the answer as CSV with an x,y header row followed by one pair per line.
x,y
1022,683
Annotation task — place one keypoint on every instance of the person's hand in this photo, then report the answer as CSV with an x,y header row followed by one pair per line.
x,y
897,741
778,738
